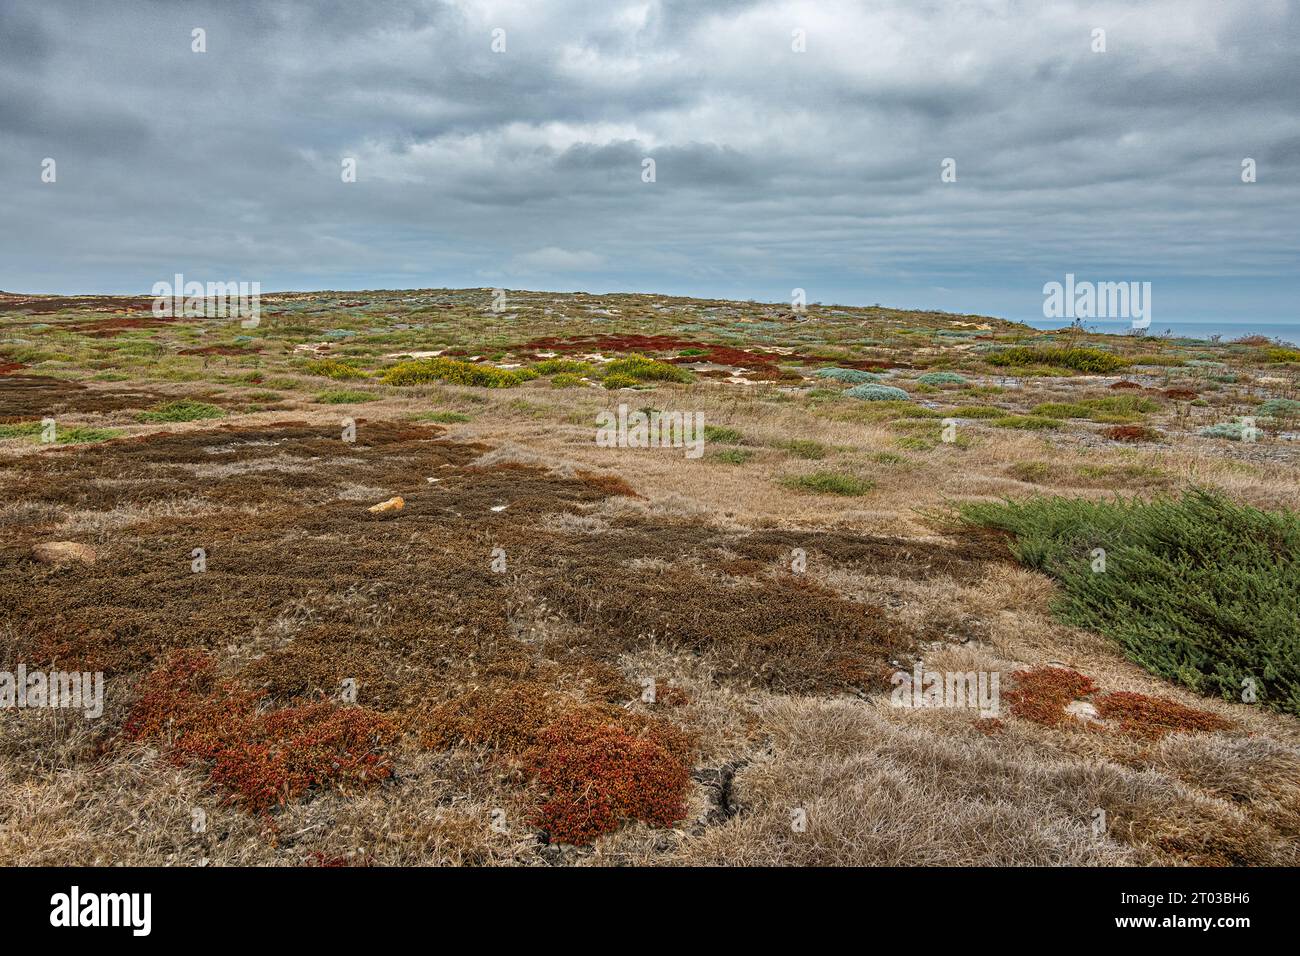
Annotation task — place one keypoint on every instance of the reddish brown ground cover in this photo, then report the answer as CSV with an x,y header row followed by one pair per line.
x,y
599,770
1042,693
264,758
1153,717
1130,433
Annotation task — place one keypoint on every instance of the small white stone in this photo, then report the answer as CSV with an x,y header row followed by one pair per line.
x,y
1082,710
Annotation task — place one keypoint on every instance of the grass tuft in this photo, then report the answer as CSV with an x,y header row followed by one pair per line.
x,y
829,483
181,411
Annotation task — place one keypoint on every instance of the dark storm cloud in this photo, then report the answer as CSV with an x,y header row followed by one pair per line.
x,y
774,168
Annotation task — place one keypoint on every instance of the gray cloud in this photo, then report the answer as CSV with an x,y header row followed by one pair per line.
x,y
774,168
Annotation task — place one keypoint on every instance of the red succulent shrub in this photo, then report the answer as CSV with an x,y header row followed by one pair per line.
x,y
1153,717
600,769
264,758
1041,694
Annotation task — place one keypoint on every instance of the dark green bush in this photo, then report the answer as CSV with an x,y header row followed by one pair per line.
x,y
1199,590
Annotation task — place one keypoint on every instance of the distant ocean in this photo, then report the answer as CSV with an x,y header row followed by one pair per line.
x,y
1286,331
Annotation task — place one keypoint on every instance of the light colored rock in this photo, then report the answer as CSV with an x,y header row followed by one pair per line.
x,y
392,504
63,552
1082,710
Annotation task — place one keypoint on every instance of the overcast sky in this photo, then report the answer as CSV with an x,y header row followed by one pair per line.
x,y
774,168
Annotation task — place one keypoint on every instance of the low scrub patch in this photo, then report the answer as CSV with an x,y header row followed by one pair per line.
x,y
853,376
557,366
829,483
619,380
942,378
74,435
723,435
1107,409
1279,408
1081,359
599,769
877,393
1152,717
333,368
806,449
1042,693
182,411
733,456
344,397
1232,431
1025,422
644,369
264,758
975,411
1031,472
421,371
1198,590
1135,433
442,418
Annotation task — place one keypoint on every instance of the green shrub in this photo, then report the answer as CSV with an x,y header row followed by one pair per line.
x,y
333,368
80,434
21,429
1279,408
975,411
1198,590
618,380
442,418
345,397
1232,431
567,380
557,366
421,371
877,393
942,378
916,442
829,483
1279,354
1081,359
1025,422
181,411
806,449
1112,408
1033,472
644,369
722,435
851,375
733,456
73,435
